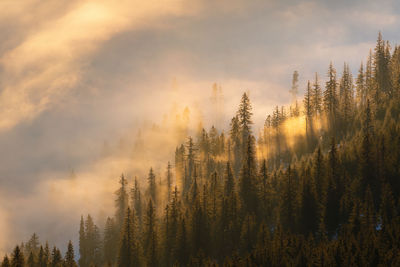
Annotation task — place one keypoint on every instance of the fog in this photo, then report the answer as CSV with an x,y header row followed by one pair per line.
x,y
82,82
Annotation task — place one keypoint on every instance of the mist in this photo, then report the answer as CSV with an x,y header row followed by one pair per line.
x,y
83,82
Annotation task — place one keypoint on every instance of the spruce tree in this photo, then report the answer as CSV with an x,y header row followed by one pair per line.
x,y
82,245
169,180
316,97
361,87
150,236
330,98
152,185
128,255
244,115
121,201
56,258
110,241
6,262
31,260
247,187
236,143
69,260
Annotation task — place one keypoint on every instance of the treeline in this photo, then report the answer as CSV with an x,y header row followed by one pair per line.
x,y
330,199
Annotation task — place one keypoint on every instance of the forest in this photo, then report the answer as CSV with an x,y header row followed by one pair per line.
x,y
319,185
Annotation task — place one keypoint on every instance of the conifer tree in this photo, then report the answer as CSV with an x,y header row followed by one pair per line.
x,y
121,201
295,87
247,189
70,256
288,201
137,201
150,236
361,87
236,143
346,97
6,262
229,180
308,110
169,180
32,245
17,259
332,203
56,258
316,97
381,71
41,258
128,255
182,249
191,157
82,245
31,260
330,97
244,115
152,185
110,241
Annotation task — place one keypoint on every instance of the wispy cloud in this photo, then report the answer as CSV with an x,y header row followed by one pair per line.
x,y
49,62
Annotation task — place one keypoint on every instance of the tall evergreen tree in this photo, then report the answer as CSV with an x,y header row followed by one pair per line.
x,y
150,236
17,259
330,97
247,188
5,262
121,201
152,185
316,97
70,256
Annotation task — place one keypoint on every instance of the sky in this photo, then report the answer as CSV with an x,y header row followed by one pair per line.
x,y
81,80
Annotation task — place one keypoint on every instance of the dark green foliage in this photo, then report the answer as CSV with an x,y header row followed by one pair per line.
x,y
69,260
5,262
17,258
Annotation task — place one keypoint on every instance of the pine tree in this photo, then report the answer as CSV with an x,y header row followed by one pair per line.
x,y
150,236
41,258
236,143
308,110
191,157
346,97
309,206
56,258
381,71
333,190
32,245
295,86
82,245
17,259
247,189
330,97
244,115
121,201
137,200
6,262
128,255
316,97
367,157
152,185
110,241
31,260
69,256
229,180
182,249
288,201
169,180
361,87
